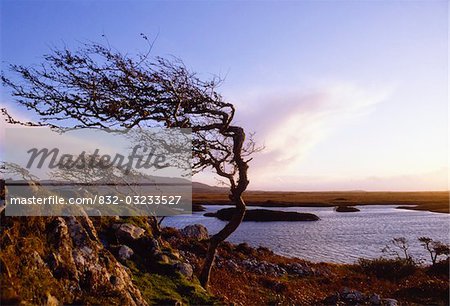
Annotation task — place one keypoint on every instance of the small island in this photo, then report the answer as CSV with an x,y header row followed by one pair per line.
x,y
197,207
346,209
264,215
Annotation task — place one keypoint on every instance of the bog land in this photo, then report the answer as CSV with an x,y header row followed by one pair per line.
x,y
435,201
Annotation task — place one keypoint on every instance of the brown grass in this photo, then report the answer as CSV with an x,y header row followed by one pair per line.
x,y
437,201
239,286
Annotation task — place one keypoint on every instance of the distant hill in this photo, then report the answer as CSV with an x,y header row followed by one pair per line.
x,y
204,188
197,187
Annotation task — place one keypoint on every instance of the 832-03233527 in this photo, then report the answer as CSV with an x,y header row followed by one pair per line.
x,y
98,199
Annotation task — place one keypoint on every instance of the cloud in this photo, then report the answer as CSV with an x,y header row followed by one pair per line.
x,y
436,180
3,125
290,124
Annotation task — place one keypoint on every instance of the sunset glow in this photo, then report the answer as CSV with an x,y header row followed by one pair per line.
x,y
360,103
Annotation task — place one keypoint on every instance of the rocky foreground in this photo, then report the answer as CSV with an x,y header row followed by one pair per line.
x,y
126,261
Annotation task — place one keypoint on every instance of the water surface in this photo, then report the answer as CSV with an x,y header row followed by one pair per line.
x,y
337,237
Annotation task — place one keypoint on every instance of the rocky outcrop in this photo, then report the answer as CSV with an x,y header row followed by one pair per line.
x,y
185,269
195,231
125,252
88,266
60,260
128,232
347,296
346,209
300,269
263,267
264,215
63,260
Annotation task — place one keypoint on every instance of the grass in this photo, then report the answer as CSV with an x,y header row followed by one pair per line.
x,y
168,288
409,283
415,287
22,241
25,246
430,201
387,268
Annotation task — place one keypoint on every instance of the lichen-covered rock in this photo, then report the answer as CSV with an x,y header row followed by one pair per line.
x,y
127,232
352,296
299,269
348,296
263,267
196,231
185,269
96,268
125,252
64,263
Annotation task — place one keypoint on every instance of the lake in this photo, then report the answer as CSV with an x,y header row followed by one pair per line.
x,y
337,237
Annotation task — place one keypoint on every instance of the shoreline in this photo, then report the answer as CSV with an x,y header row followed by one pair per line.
x,y
266,277
416,207
437,202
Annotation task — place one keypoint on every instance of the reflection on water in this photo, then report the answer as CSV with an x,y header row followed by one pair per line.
x,y
337,237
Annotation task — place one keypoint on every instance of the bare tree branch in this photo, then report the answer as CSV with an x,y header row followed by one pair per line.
x,y
96,86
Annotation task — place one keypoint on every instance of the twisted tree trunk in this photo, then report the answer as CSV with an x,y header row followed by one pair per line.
x,y
236,192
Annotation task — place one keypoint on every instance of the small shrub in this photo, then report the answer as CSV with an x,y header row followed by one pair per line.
x,y
428,292
435,248
392,269
245,249
168,232
265,251
275,285
440,268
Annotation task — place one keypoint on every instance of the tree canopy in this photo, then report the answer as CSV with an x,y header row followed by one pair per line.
x,y
96,86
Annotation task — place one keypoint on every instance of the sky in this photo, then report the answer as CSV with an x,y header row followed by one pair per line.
x,y
343,95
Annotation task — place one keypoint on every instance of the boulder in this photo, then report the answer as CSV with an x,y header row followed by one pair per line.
x,y
184,268
263,267
354,296
196,231
299,269
348,296
389,302
125,252
351,296
375,299
128,232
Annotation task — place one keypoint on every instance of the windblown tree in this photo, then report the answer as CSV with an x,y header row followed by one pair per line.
x,y
98,87
435,248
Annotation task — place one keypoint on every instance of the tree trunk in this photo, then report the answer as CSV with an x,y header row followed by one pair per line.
x,y
236,197
215,240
